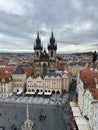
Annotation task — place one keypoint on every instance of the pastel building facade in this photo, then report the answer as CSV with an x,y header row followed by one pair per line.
x,y
88,96
19,80
34,85
5,87
5,82
53,82
88,106
81,90
95,115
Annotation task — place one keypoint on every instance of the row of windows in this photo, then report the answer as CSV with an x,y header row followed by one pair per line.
x,y
48,80
3,95
95,107
32,90
96,124
35,86
3,89
2,84
18,80
17,85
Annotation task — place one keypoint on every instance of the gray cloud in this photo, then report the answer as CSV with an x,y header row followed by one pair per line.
x,y
74,23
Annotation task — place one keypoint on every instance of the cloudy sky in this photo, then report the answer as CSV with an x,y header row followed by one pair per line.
x,y
74,23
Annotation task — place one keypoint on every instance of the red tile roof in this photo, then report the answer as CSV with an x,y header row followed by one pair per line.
x,y
28,71
88,78
95,93
5,73
35,76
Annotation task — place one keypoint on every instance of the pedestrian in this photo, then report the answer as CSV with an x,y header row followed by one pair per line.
x,y
8,119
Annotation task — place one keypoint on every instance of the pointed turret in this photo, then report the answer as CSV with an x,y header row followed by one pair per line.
x,y
52,45
52,39
19,70
38,45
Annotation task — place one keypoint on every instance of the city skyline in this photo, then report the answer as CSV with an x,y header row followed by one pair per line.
x,y
73,22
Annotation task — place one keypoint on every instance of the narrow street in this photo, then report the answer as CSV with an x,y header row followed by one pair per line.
x,y
67,112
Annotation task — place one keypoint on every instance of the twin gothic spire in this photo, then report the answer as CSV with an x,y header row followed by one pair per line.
x,y
38,45
51,46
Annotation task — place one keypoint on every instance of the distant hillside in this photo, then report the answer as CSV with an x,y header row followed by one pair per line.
x,y
83,53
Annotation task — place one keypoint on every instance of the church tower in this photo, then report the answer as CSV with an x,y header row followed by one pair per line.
x,y
52,47
37,54
38,47
94,57
43,61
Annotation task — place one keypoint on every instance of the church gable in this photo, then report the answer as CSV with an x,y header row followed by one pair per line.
x,y
29,79
65,76
39,78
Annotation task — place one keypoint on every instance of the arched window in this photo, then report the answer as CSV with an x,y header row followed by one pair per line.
x,y
51,53
29,90
53,92
37,54
37,90
44,69
58,92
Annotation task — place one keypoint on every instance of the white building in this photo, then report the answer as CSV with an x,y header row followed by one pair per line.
x,y
34,85
53,82
19,80
88,106
5,87
80,90
87,86
95,114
